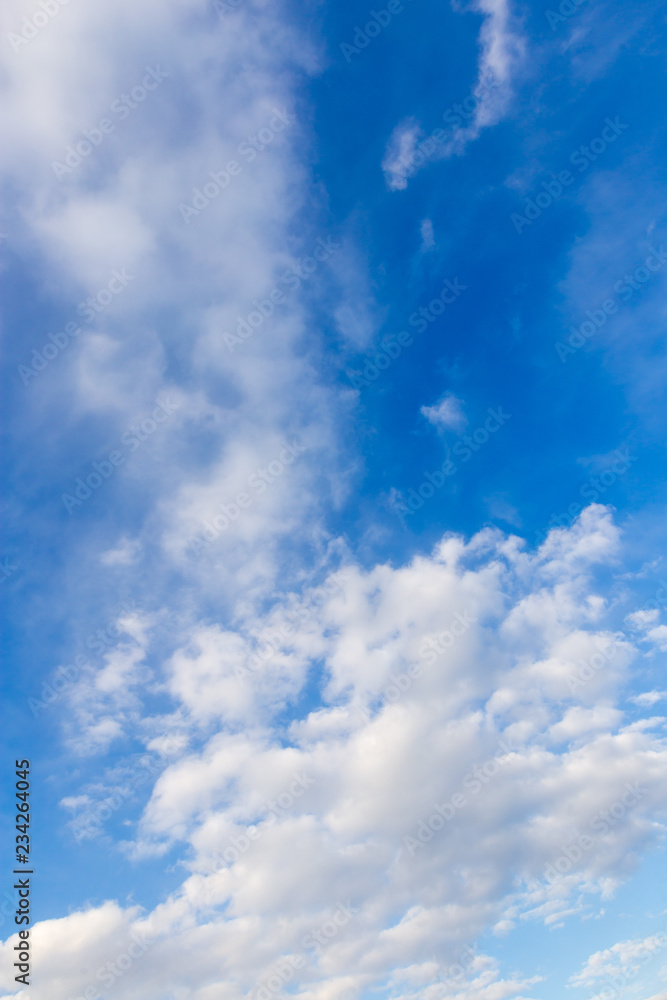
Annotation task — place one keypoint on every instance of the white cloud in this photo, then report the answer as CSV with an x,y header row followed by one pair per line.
x,y
426,230
398,160
646,621
658,636
500,507
446,415
104,699
191,283
643,619
420,670
648,698
578,722
442,681
502,52
624,958
124,554
502,48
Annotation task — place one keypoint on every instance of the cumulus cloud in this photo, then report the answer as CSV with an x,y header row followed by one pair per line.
x,y
466,730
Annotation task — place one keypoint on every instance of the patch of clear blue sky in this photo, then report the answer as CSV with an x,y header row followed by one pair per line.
x,y
495,345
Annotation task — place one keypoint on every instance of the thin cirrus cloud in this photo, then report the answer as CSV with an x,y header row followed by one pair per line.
x,y
502,53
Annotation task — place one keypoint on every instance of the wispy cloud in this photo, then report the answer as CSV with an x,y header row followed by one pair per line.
x,y
502,51
448,414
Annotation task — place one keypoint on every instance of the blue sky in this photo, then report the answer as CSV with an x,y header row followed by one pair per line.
x,y
349,466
